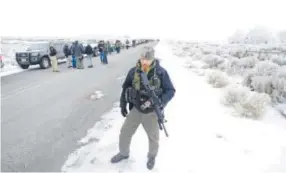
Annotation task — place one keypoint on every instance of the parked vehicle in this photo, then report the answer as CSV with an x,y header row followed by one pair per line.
x,y
38,54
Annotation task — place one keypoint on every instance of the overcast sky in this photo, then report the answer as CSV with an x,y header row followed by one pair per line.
x,y
187,19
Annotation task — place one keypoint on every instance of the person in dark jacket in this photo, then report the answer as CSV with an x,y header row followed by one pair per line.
x,y
127,43
73,56
133,43
100,47
105,60
78,51
53,58
140,107
109,48
67,53
117,46
89,53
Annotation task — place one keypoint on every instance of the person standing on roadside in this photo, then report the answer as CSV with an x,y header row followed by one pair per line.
x,y
89,52
67,53
73,57
53,57
101,49
117,46
78,53
109,48
105,61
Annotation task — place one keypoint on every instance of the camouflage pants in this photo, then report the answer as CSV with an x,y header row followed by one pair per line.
x,y
132,122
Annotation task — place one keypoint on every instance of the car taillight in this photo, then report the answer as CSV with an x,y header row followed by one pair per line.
x,y
1,57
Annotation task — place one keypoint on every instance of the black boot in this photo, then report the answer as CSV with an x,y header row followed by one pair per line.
x,y
117,158
151,163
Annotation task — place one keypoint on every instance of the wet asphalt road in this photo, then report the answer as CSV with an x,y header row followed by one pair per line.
x,y
44,114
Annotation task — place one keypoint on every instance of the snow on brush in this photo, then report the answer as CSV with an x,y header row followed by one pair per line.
x,y
203,135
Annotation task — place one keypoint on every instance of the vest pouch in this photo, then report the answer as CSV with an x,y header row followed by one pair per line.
x,y
156,82
130,95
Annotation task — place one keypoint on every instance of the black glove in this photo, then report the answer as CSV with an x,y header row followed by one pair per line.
x,y
124,111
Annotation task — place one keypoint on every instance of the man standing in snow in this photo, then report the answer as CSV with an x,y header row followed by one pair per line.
x,y
141,109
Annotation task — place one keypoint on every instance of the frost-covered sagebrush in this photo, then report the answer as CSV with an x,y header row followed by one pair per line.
x,y
233,95
267,81
213,60
206,49
247,62
278,89
225,66
247,103
194,51
262,84
264,68
281,108
253,106
217,79
197,56
280,60
263,71
235,66
199,72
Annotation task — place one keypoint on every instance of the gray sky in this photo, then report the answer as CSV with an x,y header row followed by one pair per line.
x,y
184,19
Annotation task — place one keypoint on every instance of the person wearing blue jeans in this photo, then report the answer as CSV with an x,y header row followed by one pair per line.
x,y
102,57
101,47
73,61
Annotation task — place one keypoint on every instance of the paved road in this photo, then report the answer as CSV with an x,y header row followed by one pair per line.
x,y
44,114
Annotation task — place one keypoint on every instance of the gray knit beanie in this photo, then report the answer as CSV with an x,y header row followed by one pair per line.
x,y
148,53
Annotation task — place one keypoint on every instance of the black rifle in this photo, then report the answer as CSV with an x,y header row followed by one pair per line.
x,y
155,101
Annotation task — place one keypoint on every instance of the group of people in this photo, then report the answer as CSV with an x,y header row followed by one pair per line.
x,y
76,53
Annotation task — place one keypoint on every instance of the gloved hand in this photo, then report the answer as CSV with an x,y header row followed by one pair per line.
x,y
146,105
124,111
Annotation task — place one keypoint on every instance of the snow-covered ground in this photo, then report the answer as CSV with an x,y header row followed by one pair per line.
x,y
8,49
204,136
9,70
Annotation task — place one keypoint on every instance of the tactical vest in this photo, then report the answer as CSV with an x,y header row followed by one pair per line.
x,y
137,94
153,77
